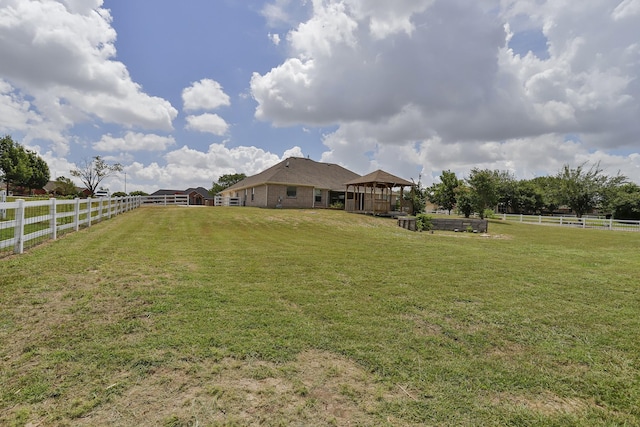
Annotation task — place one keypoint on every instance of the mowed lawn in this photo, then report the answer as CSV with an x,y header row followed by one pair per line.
x,y
236,316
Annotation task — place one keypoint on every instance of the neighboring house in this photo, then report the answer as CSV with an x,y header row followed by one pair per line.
x,y
295,182
197,196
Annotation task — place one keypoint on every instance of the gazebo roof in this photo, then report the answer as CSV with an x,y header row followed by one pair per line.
x,y
380,178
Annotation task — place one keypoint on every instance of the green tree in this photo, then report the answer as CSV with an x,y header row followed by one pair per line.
x,y
584,190
507,191
138,193
65,187
464,200
417,197
40,175
226,181
443,194
549,188
625,203
14,162
529,198
483,184
92,173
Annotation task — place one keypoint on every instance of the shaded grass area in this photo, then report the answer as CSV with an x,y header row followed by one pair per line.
x,y
214,316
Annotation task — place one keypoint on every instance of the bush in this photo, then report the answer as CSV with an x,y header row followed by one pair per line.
x,y
489,214
423,222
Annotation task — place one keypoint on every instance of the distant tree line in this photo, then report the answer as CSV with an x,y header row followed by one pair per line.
x,y
20,167
582,189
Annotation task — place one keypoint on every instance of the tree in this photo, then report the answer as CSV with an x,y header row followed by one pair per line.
x,y
549,188
226,181
484,189
65,187
40,175
529,198
138,193
14,162
93,172
584,190
625,203
443,194
464,200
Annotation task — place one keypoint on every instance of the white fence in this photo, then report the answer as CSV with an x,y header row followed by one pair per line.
x,y
28,223
584,222
170,199
228,201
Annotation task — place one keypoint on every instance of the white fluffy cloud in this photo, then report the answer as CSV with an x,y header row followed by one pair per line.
x,y
205,94
209,123
60,54
434,83
133,141
187,167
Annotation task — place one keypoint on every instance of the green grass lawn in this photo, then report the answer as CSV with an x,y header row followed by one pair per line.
x,y
237,316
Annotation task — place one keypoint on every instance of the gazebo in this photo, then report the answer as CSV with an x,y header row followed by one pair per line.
x,y
373,193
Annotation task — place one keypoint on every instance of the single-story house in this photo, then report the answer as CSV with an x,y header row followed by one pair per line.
x,y
295,182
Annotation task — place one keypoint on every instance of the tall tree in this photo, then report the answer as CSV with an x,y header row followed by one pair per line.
x,y
443,194
484,189
584,189
226,181
14,162
93,172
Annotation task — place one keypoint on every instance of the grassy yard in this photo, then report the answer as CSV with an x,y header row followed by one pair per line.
x,y
236,316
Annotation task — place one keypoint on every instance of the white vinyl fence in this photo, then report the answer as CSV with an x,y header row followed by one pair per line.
x,y
170,199
24,224
584,222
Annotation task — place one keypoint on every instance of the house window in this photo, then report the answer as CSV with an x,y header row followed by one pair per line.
x,y
253,193
318,195
292,191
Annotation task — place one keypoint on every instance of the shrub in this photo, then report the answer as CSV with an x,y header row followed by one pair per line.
x,y
489,214
423,222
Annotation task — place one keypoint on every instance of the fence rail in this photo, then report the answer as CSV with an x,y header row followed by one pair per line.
x,y
228,201
585,222
170,199
24,224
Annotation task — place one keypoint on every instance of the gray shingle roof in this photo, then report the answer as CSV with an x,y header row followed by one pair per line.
x,y
300,171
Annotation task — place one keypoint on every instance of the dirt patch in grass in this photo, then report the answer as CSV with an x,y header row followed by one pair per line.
x,y
546,403
318,388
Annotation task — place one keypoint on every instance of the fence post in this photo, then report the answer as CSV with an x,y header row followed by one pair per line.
x,y
100,209
560,220
3,199
53,213
109,207
89,208
18,231
76,217
520,217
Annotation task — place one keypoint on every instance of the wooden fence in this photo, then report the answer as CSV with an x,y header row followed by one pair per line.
x,y
25,224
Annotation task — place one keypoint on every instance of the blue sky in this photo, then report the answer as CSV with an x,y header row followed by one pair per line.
x,y
183,92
